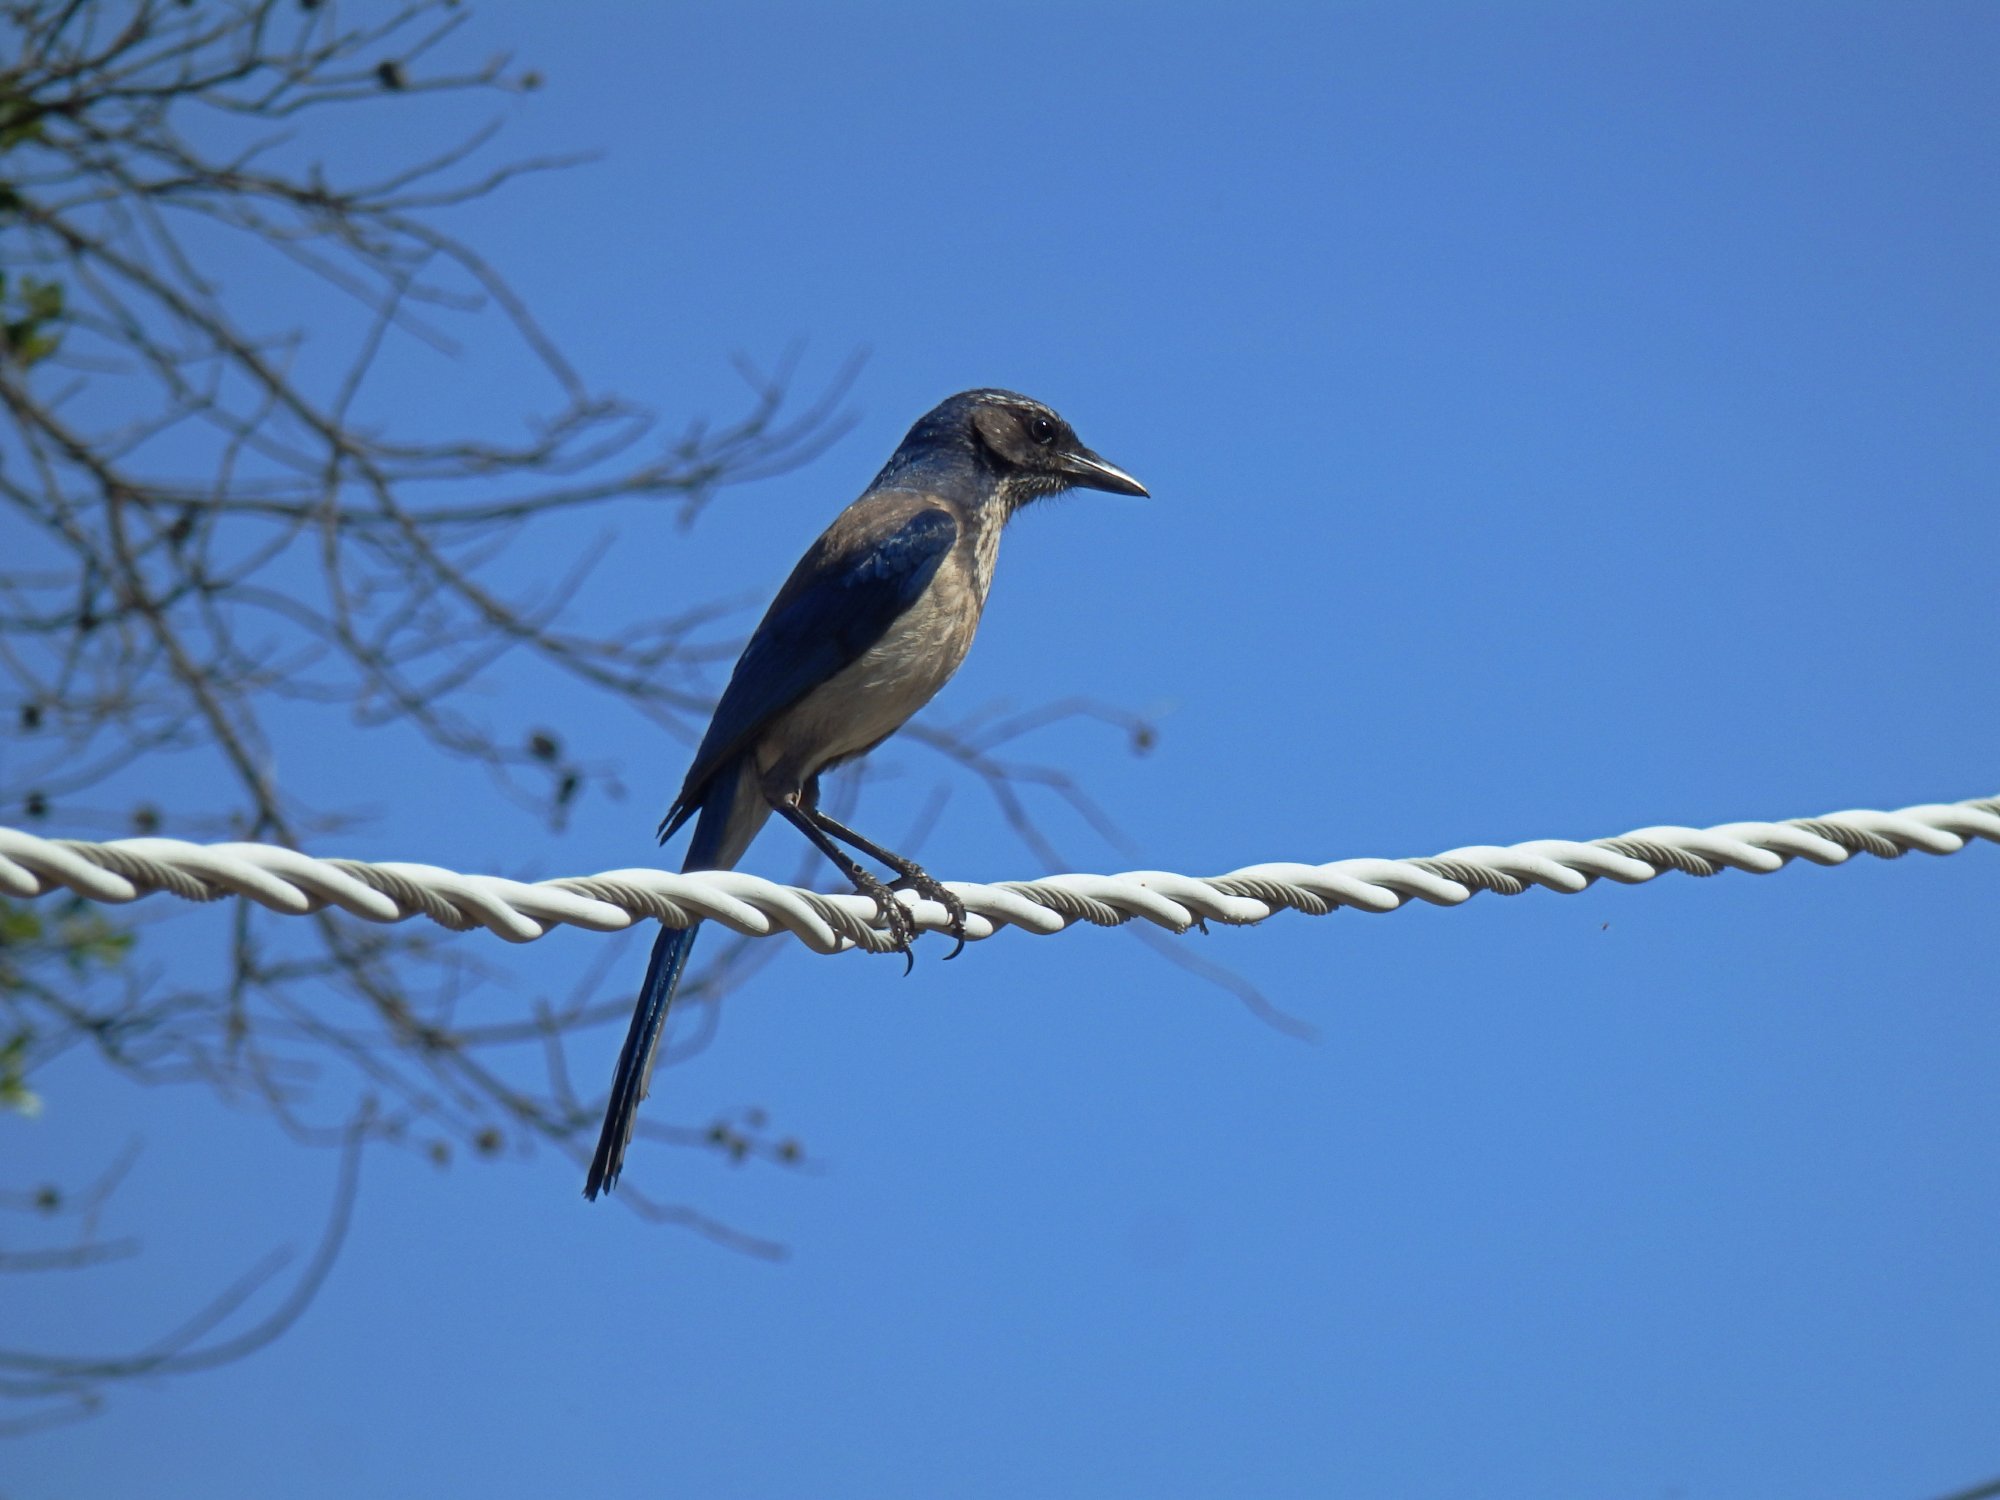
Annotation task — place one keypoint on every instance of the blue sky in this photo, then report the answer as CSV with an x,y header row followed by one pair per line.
x,y
1561,419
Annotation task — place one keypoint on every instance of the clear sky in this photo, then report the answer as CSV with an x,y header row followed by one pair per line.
x,y
1561,419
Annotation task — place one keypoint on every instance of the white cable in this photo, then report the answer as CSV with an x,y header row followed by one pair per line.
x,y
287,881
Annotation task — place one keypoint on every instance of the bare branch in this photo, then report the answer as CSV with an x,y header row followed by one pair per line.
x,y
62,1387
214,536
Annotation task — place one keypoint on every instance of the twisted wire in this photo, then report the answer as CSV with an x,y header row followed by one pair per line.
x,y
285,880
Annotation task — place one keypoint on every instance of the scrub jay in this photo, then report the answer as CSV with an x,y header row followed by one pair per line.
x,y
873,621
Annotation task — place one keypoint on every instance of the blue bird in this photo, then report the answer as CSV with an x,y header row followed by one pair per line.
x,y
873,621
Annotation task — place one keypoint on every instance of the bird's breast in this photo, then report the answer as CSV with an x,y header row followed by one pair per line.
x,y
875,695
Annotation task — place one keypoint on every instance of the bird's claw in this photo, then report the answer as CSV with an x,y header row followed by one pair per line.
x,y
925,885
895,916
955,909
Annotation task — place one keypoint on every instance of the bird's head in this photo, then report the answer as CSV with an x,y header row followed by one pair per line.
x,y
1019,449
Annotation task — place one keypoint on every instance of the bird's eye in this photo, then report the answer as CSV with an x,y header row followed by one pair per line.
x,y
1042,430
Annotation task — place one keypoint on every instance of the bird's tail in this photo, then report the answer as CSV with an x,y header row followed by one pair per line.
x,y
731,814
635,1062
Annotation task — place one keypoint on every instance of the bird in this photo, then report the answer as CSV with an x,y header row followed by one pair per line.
x,y
872,622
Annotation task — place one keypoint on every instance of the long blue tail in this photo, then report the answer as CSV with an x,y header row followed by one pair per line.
x,y
720,837
635,1062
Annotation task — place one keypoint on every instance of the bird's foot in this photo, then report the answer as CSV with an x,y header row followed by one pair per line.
x,y
895,916
925,885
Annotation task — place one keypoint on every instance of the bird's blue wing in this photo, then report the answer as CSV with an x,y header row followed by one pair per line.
x,y
870,566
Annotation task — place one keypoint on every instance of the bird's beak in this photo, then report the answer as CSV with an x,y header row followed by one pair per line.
x,y
1093,473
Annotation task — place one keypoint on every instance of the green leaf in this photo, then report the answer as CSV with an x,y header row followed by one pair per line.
x,y
43,299
20,122
14,1091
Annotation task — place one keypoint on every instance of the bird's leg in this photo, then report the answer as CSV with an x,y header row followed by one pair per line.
x,y
926,885
894,914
